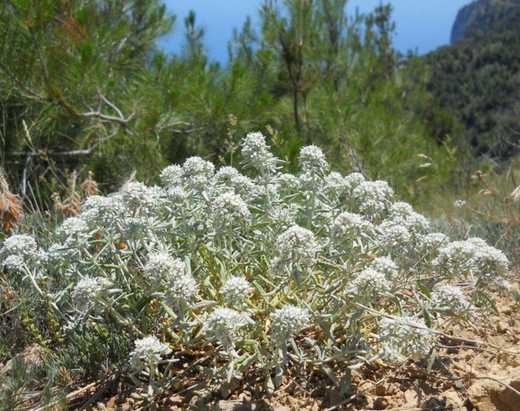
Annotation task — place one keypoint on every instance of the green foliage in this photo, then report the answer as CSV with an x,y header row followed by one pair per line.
x,y
83,88
477,80
74,84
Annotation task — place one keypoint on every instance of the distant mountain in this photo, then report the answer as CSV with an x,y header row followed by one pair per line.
x,y
481,15
477,79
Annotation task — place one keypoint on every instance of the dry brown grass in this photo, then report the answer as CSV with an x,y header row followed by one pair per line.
x,y
10,206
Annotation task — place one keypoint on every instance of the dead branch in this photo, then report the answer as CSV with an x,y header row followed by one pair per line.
x,y
120,118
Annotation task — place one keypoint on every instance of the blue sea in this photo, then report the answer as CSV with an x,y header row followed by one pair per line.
x,y
422,25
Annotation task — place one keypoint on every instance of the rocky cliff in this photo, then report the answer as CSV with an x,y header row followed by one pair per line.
x,y
481,15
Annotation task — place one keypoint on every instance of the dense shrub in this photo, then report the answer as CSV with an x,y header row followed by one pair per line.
x,y
261,271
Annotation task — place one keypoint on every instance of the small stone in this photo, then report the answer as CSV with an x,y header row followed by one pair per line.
x,y
411,398
502,327
380,403
453,399
381,390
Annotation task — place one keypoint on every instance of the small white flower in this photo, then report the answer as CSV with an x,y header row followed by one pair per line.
x,y
449,298
312,160
14,262
352,181
230,210
433,241
177,194
459,203
75,229
404,338
19,250
257,153
386,266
147,354
226,175
197,173
102,212
352,226
161,266
283,216
297,245
170,275
373,198
90,292
471,257
182,289
393,235
172,175
335,185
401,209
287,183
288,321
224,324
369,282
235,290
137,195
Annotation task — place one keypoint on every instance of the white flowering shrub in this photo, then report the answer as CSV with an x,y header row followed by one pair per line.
x,y
147,355
295,247
472,258
450,298
245,263
288,321
19,251
224,324
405,338
235,290
90,294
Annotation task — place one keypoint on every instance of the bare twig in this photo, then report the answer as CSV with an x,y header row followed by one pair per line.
x,y
120,118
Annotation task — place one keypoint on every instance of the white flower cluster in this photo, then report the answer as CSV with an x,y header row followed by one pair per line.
x,y
370,282
393,236
135,195
352,181
414,222
297,246
287,183
288,321
147,354
473,257
386,266
403,338
230,210
229,178
223,325
235,290
352,226
312,160
373,198
101,212
172,175
90,293
171,276
433,241
75,230
449,298
459,203
197,173
257,154
19,251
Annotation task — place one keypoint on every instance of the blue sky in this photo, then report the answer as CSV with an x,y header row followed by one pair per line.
x,y
422,25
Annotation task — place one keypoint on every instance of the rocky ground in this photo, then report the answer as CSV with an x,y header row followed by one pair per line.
x,y
477,369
